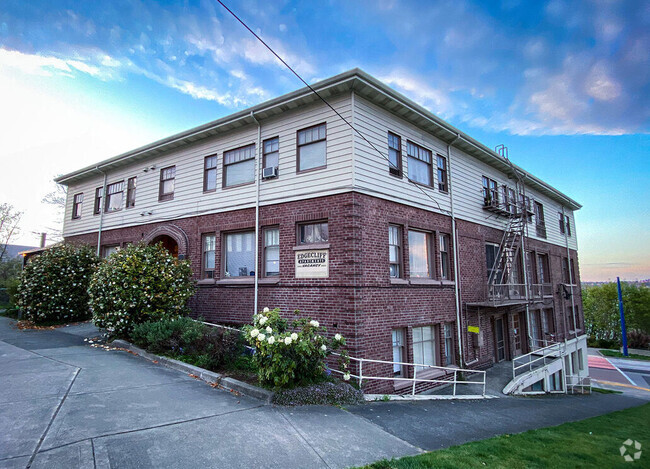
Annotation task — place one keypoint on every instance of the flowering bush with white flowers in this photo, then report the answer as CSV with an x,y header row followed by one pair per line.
x,y
139,283
53,286
291,354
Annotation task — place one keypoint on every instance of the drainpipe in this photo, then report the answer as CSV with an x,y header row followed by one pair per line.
x,y
568,257
459,326
101,212
257,211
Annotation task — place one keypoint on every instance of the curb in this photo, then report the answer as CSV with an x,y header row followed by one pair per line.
x,y
210,377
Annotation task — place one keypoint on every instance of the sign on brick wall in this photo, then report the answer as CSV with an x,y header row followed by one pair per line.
x,y
312,263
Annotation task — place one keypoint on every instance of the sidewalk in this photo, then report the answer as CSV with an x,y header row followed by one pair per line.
x,y
65,404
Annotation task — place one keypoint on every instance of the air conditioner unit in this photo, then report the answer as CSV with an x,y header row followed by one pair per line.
x,y
270,172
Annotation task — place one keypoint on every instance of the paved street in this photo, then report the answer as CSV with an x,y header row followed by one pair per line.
x,y
631,377
64,404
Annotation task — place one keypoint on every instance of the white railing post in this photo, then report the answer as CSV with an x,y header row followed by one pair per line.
x,y
455,382
484,381
360,371
415,373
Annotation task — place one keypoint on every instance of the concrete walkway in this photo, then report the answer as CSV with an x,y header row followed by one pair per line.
x,y
65,404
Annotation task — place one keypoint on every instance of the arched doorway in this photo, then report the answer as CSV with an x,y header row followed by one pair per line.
x,y
168,243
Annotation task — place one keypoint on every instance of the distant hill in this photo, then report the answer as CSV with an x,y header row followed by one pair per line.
x,y
14,249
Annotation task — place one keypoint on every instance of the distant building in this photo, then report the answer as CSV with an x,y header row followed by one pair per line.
x,y
434,250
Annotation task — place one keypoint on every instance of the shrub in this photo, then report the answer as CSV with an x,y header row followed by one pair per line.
x,y
137,284
290,355
638,339
53,286
191,341
320,394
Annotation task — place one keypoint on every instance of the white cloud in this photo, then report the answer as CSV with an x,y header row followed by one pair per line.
x,y
418,90
600,85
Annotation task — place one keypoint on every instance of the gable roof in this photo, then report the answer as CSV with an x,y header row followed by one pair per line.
x,y
364,85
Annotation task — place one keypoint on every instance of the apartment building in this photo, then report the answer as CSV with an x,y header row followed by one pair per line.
x,y
367,212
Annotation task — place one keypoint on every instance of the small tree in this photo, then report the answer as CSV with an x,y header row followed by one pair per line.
x,y
289,355
53,286
9,219
137,284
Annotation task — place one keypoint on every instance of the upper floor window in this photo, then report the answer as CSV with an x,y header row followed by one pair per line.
x,y
77,203
271,153
566,278
524,203
540,225
394,154
130,192
442,174
445,266
543,269
312,148
114,196
239,166
491,262
98,201
210,173
208,255
490,191
561,220
167,183
567,223
239,254
395,250
419,254
419,164
510,199
313,233
271,252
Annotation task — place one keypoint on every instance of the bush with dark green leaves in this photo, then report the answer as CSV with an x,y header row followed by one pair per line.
x,y
190,341
137,284
53,287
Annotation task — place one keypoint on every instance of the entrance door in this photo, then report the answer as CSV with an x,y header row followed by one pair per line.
x,y
518,322
499,334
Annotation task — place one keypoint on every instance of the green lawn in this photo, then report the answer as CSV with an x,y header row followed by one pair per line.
x,y
589,443
617,354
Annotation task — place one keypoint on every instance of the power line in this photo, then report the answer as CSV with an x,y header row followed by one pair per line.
x,y
331,107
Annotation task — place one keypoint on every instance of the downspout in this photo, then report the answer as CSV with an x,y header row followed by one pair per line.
x,y
257,211
568,260
459,326
101,212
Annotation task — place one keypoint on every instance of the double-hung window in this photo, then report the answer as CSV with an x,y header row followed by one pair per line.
x,y
271,252
442,174
97,209
543,271
210,173
239,254
419,254
110,249
450,356
394,154
271,153
77,203
424,346
445,266
167,183
561,220
419,164
398,351
567,223
395,250
491,262
490,191
511,200
540,225
312,148
208,260
313,233
524,203
130,192
239,166
114,196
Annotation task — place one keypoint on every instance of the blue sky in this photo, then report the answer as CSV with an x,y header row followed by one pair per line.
x,y
565,85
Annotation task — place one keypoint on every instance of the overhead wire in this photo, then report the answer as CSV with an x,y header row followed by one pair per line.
x,y
332,107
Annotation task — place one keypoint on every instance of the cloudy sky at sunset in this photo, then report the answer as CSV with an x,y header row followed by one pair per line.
x,y
565,85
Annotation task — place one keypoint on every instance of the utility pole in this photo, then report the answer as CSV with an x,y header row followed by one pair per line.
x,y
620,308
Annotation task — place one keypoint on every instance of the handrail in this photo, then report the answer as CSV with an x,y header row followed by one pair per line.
x,y
414,379
541,354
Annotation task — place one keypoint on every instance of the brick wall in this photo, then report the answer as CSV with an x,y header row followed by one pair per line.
x,y
359,299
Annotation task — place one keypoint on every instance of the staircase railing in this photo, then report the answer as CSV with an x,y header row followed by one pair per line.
x,y
537,358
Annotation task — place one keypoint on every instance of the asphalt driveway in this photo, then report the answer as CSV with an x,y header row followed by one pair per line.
x,y
65,404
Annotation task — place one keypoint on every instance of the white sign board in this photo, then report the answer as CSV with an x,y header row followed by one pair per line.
x,y
312,263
